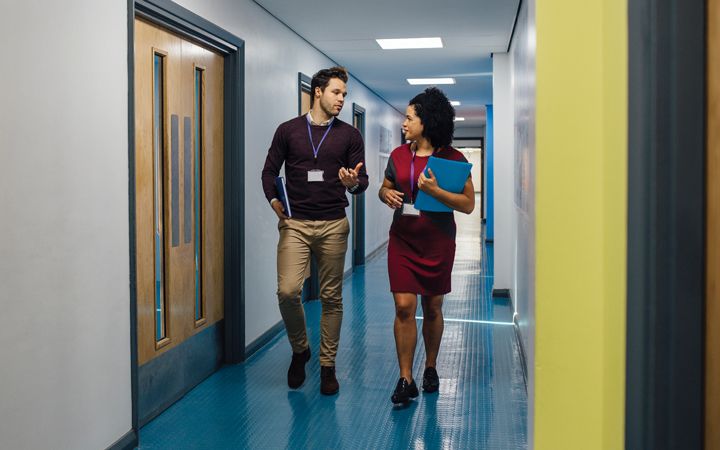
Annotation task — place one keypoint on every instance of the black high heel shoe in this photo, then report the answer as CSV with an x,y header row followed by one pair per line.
x,y
404,391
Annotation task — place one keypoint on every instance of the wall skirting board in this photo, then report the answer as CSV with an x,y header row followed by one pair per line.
x,y
127,442
264,339
502,293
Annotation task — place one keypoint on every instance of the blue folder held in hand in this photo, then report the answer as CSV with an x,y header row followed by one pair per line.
x,y
282,195
451,176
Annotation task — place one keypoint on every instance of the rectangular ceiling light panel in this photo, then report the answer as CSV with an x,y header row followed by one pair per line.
x,y
398,44
431,80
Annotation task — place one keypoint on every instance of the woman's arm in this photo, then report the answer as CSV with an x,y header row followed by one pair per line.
x,y
389,196
463,202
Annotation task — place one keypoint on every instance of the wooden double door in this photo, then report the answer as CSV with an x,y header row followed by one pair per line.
x,y
178,189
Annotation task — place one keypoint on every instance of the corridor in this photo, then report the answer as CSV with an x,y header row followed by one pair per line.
x,y
482,403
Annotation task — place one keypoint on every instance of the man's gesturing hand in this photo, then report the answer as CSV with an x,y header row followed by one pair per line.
x,y
349,177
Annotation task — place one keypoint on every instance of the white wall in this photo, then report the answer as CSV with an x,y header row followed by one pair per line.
x,y
522,55
64,295
273,57
474,157
504,179
64,271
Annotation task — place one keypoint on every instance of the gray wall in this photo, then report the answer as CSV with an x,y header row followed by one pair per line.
x,y
65,352
273,57
468,132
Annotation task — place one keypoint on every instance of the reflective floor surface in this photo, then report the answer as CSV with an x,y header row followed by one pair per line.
x,y
482,402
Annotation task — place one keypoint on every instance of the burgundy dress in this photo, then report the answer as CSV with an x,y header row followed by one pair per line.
x,y
421,250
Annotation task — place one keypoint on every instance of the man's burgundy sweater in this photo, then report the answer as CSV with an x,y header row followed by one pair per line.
x,y
343,147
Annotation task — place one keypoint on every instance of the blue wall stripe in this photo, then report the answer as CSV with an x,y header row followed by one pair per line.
x,y
489,143
187,190
175,180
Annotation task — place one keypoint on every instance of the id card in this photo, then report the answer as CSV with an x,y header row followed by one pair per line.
x,y
315,176
408,209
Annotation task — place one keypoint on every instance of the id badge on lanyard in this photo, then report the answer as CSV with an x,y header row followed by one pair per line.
x,y
408,209
316,175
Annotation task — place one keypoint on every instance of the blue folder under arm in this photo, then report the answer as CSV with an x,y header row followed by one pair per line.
x,y
282,195
451,176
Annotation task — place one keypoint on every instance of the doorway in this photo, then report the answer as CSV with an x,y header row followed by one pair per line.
x,y
186,212
358,201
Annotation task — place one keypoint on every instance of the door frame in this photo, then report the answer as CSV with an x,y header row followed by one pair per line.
x,y
179,20
358,203
311,286
712,307
666,226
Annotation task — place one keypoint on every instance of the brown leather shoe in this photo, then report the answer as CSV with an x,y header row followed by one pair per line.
x,y
296,372
328,383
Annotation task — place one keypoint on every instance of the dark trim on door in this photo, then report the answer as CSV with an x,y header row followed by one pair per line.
x,y
304,82
132,241
171,16
358,204
234,211
666,192
482,183
188,24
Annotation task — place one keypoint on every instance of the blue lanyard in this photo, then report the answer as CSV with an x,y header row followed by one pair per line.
x,y
412,178
412,174
317,150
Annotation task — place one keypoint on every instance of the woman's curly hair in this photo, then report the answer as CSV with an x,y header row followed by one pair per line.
x,y
437,116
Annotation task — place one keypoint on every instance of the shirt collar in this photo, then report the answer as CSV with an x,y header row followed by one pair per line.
x,y
312,121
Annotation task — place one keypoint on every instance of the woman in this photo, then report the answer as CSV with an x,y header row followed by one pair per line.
x,y
421,249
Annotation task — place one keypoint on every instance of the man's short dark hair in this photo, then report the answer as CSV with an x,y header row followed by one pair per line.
x,y
322,78
437,116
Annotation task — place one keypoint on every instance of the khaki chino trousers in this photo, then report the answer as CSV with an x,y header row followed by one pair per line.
x,y
327,240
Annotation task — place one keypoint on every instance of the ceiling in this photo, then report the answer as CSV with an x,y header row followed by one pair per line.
x,y
470,30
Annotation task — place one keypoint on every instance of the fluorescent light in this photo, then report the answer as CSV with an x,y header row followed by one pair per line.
x,y
396,44
431,80
454,102
459,119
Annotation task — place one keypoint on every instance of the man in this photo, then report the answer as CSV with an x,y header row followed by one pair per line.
x,y
323,159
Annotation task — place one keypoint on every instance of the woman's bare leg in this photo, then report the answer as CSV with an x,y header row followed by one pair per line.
x,y
433,327
405,331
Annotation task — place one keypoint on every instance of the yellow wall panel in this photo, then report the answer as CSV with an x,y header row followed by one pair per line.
x,y
581,153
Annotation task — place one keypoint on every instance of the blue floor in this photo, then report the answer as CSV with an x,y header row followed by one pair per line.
x,y
482,402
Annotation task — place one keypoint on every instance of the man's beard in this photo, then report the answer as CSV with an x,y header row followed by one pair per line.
x,y
330,111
